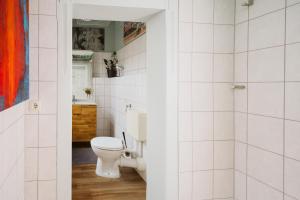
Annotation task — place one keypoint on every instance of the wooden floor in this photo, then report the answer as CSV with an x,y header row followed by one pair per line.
x,y
87,186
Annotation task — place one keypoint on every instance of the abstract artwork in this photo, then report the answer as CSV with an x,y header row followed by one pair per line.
x,y
14,52
88,38
133,30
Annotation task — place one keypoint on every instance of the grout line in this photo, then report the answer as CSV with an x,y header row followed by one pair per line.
x,y
284,93
247,108
178,137
38,97
234,102
191,99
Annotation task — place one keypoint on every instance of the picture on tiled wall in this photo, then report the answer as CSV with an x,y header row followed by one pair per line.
x,y
85,38
133,30
14,52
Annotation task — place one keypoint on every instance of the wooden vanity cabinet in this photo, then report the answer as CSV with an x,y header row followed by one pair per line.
x,y
84,122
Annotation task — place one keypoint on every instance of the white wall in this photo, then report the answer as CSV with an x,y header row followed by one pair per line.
x,y
12,153
102,94
130,88
267,117
40,126
205,112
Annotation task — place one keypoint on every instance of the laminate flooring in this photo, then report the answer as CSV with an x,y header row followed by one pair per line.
x,y
86,185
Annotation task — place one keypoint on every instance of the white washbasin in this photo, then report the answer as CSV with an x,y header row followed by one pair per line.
x,y
84,102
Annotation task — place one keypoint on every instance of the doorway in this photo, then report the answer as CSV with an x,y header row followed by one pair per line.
x,y
162,174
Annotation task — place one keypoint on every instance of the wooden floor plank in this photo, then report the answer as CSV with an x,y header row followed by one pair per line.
x,y
87,186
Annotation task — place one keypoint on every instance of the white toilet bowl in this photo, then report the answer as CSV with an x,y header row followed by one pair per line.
x,y
108,151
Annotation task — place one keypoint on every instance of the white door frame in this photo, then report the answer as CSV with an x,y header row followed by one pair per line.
x,y
162,140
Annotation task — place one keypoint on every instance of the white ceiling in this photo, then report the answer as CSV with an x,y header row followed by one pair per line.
x,y
112,13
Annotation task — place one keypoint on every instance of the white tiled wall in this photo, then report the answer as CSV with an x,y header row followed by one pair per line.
x,y
267,117
102,95
205,124
130,88
40,126
12,153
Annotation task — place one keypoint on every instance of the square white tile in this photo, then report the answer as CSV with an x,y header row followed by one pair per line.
x,y
292,24
267,31
47,130
266,65
33,30
202,185
292,99
270,168
185,66
223,97
185,156
185,186
31,164
202,123
223,126
292,177
31,130
202,99
223,154
223,183
203,155
240,127
240,161
203,38
266,133
202,67
223,67
185,126
47,7
186,10
223,38
241,37
224,12
292,62
30,190
185,37
240,67
47,64
47,164
266,99
47,31
47,190
47,97
185,95
292,139
203,11
33,64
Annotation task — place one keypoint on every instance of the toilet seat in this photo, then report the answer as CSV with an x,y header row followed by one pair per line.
x,y
107,143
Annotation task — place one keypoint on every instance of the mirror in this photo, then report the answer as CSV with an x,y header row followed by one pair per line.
x,y
82,75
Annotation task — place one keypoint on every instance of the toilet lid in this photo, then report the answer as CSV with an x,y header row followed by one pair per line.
x,y
109,143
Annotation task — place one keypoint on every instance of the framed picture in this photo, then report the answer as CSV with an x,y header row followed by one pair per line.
x,y
88,38
14,52
133,30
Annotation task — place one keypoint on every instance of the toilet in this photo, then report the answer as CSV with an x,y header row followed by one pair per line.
x,y
110,150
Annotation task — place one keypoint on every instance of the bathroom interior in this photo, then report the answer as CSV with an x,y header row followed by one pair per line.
x,y
109,109
227,92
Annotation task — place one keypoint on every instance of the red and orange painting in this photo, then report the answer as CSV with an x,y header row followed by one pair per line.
x,y
14,52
